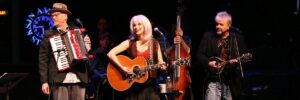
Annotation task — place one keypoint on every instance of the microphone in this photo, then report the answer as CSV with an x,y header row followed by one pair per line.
x,y
82,29
79,22
158,31
164,39
3,75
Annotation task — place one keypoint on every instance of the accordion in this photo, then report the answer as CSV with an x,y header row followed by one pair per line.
x,y
68,49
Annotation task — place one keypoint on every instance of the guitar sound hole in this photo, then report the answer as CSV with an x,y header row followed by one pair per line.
x,y
136,70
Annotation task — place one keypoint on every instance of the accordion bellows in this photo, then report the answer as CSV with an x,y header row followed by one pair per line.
x,y
68,49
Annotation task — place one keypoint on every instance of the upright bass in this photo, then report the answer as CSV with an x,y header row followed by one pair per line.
x,y
181,78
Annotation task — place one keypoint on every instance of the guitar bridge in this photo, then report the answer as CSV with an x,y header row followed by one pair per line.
x,y
130,78
135,76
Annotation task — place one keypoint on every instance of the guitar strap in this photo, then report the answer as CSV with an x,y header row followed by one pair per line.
x,y
152,55
151,62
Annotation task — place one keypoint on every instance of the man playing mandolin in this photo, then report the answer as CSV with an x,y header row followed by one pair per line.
x,y
219,53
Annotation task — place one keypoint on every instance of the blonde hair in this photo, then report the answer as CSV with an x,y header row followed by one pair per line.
x,y
147,25
224,14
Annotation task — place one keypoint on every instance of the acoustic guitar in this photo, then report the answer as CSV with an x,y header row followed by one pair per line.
x,y
122,82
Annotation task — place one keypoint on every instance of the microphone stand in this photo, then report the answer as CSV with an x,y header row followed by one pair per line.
x,y
164,39
238,54
164,43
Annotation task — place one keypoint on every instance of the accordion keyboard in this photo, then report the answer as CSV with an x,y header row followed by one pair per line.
x,y
60,52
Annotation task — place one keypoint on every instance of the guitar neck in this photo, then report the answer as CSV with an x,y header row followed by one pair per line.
x,y
239,58
150,67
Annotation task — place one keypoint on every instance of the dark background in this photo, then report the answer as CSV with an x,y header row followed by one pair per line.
x,y
269,26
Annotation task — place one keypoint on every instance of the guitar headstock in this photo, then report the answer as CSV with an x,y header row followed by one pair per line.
x,y
246,57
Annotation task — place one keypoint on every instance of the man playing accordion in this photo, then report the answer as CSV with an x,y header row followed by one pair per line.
x,y
62,56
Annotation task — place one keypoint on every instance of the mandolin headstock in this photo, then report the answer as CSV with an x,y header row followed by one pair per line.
x,y
246,57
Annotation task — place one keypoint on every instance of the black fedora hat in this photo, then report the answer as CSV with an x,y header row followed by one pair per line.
x,y
60,7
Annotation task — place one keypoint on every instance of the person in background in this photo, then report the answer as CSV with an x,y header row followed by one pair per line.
x,y
103,30
99,87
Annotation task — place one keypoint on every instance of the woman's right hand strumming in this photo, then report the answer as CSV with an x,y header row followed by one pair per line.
x,y
126,70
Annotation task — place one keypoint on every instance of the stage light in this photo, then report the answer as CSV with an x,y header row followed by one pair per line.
x,y
3,12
